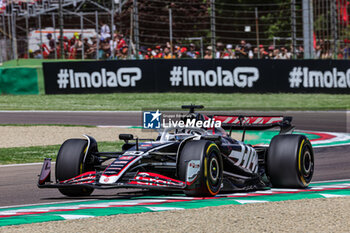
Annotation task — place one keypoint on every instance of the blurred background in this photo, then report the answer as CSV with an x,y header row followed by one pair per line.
x,y
155,29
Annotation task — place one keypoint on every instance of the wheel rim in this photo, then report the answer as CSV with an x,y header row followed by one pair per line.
x,y
307,165
214,170
307,162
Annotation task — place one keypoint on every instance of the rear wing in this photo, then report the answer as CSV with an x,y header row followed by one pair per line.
x,y
239,122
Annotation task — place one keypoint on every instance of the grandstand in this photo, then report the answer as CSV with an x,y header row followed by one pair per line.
x,y
214,28
36,7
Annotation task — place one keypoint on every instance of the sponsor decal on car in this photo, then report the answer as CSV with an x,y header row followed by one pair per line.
x,y
131,153
146,145
192,170
115,170
122,162
246,157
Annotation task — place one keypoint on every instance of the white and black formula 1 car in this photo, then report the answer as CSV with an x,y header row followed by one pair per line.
x,y
197,161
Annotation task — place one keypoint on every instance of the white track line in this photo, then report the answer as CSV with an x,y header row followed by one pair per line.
x,y
47,203
22,164
323,181
117,126
316,146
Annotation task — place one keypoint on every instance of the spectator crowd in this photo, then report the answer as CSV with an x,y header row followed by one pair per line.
x,y
108,47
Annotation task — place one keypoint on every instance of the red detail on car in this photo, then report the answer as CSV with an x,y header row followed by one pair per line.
x,y
146,145
154,179
158,176
127,157
87,174
251,120
193,165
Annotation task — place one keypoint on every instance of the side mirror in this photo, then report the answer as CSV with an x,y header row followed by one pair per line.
x,y
126,137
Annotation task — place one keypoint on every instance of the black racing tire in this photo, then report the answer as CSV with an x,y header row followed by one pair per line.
x,y
290,161
69,163
210,175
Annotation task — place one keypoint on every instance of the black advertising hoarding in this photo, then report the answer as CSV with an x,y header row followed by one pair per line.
x,y
97,77
219,76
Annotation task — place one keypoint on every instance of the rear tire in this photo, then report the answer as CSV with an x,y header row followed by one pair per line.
x,y
207,157
290,161
69,163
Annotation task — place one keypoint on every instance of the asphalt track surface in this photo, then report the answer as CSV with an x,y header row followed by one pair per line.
x,y
18,183
332,121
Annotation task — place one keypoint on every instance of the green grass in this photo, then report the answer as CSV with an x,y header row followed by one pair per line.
x,y
139,101
38,153
35,63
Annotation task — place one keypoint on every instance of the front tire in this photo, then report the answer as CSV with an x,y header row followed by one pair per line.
x,y
290,161
206,157
69,163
